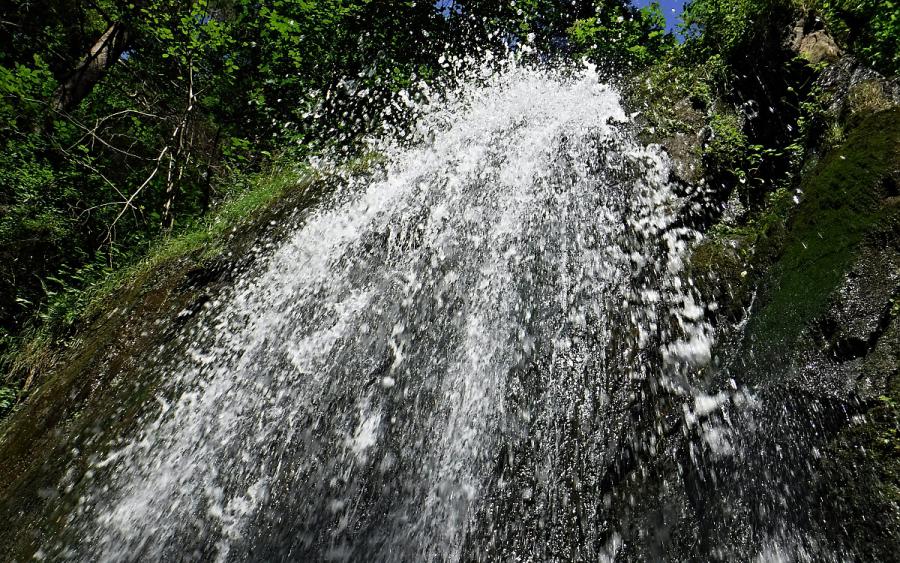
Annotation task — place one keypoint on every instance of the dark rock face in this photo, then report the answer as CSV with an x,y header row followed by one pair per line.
x,y
99,372
841,345
808,316
823,334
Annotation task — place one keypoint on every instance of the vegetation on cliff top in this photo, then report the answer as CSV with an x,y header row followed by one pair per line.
x,y
128,124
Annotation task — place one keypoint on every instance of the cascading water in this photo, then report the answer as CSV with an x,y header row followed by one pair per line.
x,y
454,360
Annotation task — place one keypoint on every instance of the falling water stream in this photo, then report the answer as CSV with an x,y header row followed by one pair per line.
x,y
469,356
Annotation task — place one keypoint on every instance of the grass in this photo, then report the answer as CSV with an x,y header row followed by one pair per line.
x,y
205,239
200,242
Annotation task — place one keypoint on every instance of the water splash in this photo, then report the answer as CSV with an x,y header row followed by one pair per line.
x,y
441,363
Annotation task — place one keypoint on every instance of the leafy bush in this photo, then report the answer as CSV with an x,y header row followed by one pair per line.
x,y
727,148
622,37
869,28
739,31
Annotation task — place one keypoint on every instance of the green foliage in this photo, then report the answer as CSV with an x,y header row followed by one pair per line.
x,y
621,36
250,196
766,113
869,28
205,91
736,30
727,149
540,23
611,33
741,29
678,97
7,399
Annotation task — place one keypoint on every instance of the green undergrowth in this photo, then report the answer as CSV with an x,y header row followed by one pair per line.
x,y
846,200
199,242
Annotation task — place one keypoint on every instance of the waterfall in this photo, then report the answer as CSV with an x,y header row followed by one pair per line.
x,y
448,359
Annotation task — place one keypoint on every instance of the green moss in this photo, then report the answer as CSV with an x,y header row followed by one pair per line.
x,y
727,148
870,29
728,264
196,244
843,204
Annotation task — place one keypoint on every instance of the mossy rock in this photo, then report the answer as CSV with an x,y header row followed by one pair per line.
x,y
102,376
827,324
827,275
736,254
848,200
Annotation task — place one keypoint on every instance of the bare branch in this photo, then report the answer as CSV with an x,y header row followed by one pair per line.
x,y
92,132
129,202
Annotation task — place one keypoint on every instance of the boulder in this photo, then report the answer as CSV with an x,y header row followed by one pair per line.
x,y
816,47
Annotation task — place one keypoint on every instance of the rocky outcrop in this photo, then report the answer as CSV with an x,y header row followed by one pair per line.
x,y
854,88
806,290
816,47
816,302
101,370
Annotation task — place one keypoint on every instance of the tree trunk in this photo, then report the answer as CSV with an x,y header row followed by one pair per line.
x,y
103,54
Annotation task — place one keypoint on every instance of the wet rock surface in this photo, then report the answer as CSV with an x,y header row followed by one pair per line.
x,y
807,357
814,385
100,372
821,343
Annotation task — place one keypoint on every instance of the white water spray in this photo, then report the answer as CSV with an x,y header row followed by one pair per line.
x,y
509,284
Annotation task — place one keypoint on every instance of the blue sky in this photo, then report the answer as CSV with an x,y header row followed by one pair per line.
x,y
671,8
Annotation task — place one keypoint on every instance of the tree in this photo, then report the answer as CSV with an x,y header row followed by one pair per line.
x,y
121,119
104,53
621,37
